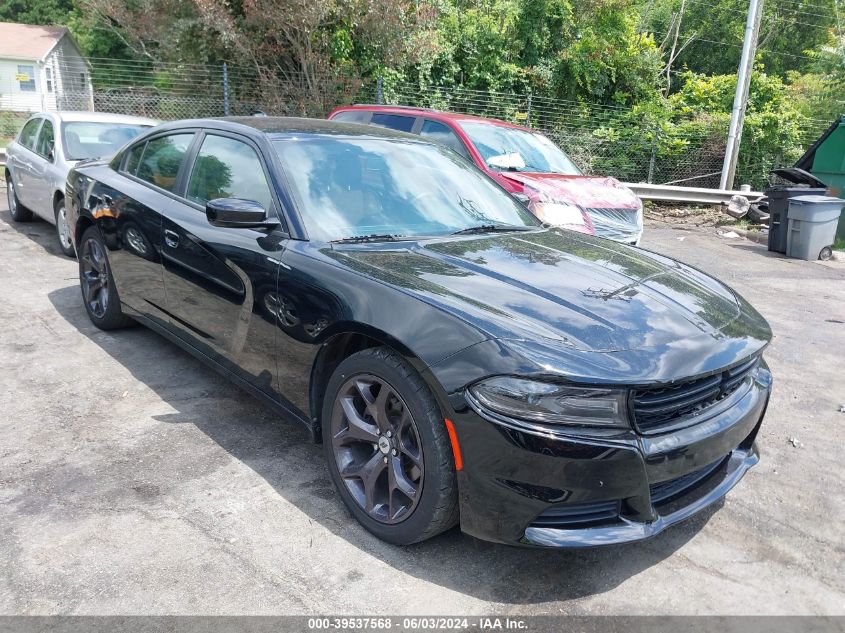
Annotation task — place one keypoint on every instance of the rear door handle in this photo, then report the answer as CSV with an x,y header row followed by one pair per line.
x,y
171,238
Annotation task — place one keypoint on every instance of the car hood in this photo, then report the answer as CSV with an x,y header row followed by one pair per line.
x,y
594,192
555,285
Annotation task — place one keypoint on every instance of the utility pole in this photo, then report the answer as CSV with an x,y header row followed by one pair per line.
x,y
225,89
743,81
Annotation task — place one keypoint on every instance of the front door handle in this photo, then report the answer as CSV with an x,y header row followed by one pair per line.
x,y
171,238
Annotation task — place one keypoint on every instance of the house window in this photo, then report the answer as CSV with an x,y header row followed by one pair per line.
x,y
26,78
82,81
49,75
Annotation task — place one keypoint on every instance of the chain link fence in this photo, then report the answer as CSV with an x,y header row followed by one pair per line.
x,y
632,144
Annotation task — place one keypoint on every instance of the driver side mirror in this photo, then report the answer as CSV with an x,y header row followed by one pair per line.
x,y
51,154
236,213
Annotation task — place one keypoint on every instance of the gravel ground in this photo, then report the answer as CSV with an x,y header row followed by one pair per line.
x,y
133,480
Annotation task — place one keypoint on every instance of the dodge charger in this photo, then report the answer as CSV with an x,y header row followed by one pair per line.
x,y
460,362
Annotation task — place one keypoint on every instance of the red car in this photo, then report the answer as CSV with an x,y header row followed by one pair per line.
x,y
525,163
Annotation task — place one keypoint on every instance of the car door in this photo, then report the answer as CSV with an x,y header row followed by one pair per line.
x,y
129,210
40,187
221,282
21,159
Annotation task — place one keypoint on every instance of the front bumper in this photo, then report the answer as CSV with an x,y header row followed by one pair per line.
x,y
579,488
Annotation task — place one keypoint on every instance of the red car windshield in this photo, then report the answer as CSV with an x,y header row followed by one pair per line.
x,y
512,149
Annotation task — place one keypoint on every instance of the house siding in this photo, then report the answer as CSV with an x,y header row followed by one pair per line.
x,y
71,81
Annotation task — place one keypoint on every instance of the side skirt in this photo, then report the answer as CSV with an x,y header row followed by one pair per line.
x,y
278,406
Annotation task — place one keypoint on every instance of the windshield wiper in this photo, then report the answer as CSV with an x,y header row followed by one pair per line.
x,y
492,228
361,239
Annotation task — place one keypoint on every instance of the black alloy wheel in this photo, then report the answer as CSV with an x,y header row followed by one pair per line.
x,y
94,277
97,283
377,448
388,449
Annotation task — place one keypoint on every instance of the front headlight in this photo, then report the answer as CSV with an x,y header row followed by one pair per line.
x,y
558,213
550,403
640,219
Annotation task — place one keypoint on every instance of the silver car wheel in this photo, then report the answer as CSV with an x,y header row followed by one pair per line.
x,y
10,195
62,227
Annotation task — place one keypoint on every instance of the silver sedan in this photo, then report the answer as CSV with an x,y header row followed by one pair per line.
x,y
46,148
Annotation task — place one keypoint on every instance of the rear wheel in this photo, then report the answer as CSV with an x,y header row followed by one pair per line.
x,y
99,293
62,229
19,212
387,448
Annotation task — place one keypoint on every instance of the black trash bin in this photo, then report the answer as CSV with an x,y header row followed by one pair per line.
x,y
779,195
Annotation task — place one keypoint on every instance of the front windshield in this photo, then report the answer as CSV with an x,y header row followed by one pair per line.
x,y
92,139
352,187
512,149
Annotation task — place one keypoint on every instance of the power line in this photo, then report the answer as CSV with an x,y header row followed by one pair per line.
x,y
800,3
738,45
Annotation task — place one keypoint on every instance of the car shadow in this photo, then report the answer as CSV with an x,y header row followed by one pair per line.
x,y
760,249
36,230
283,455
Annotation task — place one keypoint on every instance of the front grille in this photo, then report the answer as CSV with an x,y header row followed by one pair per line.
x,y
667,490
657,409
578,515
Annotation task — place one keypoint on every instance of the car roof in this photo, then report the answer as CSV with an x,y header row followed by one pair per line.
x,y
99,117
428,113
271,126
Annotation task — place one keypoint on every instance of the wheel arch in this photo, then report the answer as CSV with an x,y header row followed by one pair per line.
x,y
341,344
57,195
82,225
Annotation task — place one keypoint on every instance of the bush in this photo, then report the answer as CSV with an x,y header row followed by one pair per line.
x,y
10,124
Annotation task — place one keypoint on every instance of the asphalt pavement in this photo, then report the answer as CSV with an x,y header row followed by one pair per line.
x,y
133,480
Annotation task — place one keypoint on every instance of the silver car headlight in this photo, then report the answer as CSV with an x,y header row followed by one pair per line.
x,y
549,403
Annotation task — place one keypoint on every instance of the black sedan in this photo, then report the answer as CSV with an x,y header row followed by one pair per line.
x,y
459,362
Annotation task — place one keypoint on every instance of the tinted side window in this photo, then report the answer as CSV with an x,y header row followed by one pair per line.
x,y
134,158
228,168
45,139
393,121
162,159
28,133
352,116
441,133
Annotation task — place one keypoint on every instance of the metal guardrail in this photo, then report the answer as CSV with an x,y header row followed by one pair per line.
x,y
700,195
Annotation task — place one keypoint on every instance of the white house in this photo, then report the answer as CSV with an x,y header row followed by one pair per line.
x,y
41,68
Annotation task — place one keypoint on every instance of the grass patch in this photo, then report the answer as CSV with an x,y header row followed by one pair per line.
x,y
741,223
10,124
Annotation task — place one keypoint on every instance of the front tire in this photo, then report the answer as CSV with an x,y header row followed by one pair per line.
x,y
99,293
62,229
387,448
19,212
